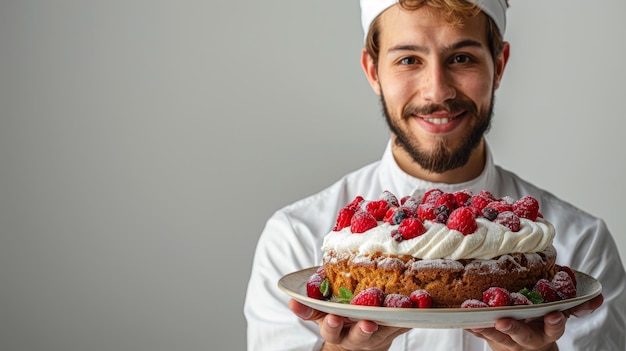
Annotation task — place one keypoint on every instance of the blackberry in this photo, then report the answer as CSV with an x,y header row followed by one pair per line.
x,y
441,218
442,213
396,235
399,216
489,213
442,209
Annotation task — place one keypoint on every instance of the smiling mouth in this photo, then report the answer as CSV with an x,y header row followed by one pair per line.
x,y
439,120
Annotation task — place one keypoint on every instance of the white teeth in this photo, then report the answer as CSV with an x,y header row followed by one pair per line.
x,y
437,120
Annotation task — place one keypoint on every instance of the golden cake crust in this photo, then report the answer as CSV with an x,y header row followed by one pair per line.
x,y
449,282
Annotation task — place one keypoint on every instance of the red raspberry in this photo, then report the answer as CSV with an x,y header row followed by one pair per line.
x,y
362,221
410,212
356,203
462,219
509,220
396,215
421,299
500,206
317,287
527,207
431,195
488,195
479,202
411,228
462,197
564,285
497,297
343,219
426,211
411,204
570,272
476,212
398,301
448,200
404,199
377,208
391,199
520,299
369,297
547,290
389,215
473,303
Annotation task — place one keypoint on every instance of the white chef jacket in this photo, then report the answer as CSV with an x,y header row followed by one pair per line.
x,y
293,236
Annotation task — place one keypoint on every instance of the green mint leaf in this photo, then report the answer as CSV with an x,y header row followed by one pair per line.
x,y
325,288
345,295
533,296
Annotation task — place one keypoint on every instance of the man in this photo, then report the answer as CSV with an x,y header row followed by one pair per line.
x,y
436,68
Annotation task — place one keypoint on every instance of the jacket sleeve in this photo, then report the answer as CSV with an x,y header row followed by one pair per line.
x,y
587,246
282,248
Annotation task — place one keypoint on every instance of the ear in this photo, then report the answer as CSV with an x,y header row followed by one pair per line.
x,y
371,72
503,58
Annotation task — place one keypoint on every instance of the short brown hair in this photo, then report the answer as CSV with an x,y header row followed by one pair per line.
x,y
454,12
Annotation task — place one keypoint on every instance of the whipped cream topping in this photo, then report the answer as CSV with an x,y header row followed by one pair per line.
x,y
489,241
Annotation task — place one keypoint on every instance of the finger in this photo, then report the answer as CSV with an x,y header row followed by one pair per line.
x,y
390,333
362,332
554,325
332,329
359,335
492,335
520,333
530,335
587,307
366,330
305,312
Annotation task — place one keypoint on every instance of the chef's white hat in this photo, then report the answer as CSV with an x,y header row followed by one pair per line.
x,y
496,9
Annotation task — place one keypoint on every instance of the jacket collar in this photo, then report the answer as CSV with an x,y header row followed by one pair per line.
x,y
400,182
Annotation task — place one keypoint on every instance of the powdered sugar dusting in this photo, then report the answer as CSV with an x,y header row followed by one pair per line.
x,y
438,264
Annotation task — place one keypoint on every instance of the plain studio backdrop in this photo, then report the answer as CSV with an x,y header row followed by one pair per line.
x,y
143,145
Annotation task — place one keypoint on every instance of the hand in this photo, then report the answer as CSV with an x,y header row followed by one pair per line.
x,y
341,333
586,307
539,334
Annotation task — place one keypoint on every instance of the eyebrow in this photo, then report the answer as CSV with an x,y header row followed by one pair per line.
x,y
417,48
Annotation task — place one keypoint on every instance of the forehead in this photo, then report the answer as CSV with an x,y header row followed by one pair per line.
x,y
428,26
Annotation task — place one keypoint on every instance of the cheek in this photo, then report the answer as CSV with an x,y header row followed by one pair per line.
x,y
479,91
397,93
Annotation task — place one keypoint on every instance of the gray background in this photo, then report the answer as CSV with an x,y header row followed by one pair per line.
x,y
143,144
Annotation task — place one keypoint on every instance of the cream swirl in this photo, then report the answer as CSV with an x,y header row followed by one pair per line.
x,y
490,240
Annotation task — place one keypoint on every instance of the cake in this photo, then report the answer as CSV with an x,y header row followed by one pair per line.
x,y
441,250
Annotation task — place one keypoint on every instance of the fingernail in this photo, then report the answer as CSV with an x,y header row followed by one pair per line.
x,y
305,314
369,331
505,328
554,321
582,313
333,322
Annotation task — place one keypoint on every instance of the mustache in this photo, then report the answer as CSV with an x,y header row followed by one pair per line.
x,y
452,106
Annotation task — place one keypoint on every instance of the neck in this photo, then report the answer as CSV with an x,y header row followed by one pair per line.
x,y
472,169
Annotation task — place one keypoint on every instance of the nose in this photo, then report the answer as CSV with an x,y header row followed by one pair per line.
x,y
437,84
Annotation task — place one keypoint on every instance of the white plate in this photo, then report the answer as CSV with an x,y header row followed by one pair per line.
x,y
294,284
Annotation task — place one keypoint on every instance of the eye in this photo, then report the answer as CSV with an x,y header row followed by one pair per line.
x,y
461,59
408,61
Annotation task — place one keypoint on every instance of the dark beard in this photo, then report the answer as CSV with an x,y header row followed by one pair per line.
x,y
442,158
